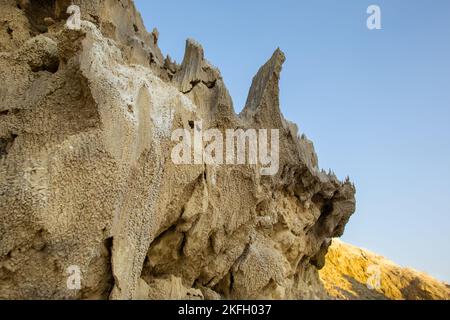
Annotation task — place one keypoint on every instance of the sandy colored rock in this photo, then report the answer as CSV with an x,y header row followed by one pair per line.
x,y
87,180
351,273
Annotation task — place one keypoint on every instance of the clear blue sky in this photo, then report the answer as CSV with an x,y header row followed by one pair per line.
x,y
375,103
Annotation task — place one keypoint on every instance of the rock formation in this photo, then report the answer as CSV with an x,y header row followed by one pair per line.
x,y
351,273
87,180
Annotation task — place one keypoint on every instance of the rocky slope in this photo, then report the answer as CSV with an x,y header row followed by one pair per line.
x,y
353,273
87,180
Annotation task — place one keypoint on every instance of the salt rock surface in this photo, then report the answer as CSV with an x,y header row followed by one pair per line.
x,y
86,177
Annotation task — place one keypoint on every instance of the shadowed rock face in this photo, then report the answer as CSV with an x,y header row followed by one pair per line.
x,y
86,176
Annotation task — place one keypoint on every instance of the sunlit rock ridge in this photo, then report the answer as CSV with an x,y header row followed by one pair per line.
x,y
352,273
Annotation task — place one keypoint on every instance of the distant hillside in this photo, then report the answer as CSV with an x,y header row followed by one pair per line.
x,y
350,271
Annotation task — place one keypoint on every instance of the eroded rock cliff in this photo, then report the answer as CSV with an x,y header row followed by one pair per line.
x,y
87,180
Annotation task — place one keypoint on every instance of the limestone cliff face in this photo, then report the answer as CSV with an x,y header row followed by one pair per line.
x,y
87,180
353,273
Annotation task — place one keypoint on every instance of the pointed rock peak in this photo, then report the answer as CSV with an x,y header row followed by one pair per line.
x,y
278,57
195,69
192,44
170,65
155,35
193,53
263,97
274,65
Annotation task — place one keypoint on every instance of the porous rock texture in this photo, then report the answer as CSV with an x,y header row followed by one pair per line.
x,y
86,176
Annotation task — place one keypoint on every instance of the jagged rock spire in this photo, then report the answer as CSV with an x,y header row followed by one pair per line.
x,y
263,99
195,69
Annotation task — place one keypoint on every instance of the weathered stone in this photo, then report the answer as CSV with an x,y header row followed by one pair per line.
x,y
86,177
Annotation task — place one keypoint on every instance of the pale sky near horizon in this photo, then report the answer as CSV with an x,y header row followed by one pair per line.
x,y
375,103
